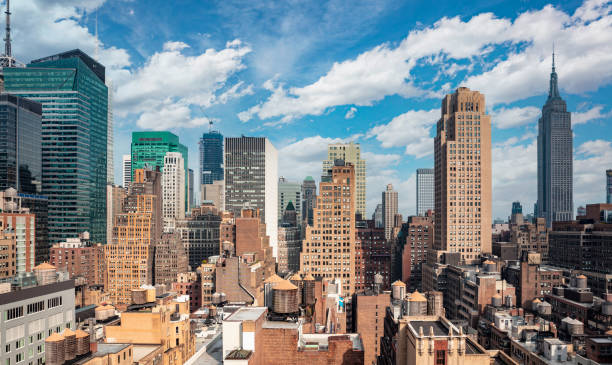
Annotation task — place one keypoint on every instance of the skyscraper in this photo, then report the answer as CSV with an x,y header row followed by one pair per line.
x,y
127,170
309,194
425,199
20,144
149,150
71,88
517,208
462,156
609,186
110,140
327,255
389,201
251,180
377,216
129,257
350,152
555,157
190,182
211,157
173,189
289,191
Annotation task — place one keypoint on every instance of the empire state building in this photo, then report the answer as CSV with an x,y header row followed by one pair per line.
x,y
555,157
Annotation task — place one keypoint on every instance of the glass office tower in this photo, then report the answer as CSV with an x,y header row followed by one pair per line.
x,y
211,157
70,86
20,144
150,148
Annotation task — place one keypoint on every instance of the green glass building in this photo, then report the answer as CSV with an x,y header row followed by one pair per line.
x,y
149,149
70,86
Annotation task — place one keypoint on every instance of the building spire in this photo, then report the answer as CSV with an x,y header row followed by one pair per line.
x,y
553,91
7,40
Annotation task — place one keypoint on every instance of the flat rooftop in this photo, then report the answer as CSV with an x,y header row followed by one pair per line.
x,y
440,329
247,314
281,324
110,348
141,351
322,340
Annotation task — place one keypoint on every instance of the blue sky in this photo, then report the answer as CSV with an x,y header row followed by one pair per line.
x,y
305,74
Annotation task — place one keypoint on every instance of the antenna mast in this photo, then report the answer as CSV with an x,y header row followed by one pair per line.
x,y
7,39
97,49
7,60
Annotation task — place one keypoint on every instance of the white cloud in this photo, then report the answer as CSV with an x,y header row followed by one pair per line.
x,y
514,166
350,114
592,114
583,43
504,118
304,157
42,28
171,77
411,130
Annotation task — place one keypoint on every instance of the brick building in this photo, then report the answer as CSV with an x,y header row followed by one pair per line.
x,y
586,245
8,246
532,279
189,283
530,237
372,256
414,239
200,234
248,338
170,259
80,258
328,249
129,258
462,161
369,313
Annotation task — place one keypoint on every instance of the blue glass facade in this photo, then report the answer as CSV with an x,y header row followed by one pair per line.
x,y
20,144
70,86
211,157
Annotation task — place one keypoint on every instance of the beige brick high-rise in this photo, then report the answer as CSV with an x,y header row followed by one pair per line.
x,y
350,152
328,250
463,176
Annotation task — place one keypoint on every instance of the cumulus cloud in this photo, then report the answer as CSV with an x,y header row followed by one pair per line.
x,y
504,118
350,114
594,113
411,130
42,28
583,43
170,82
514,168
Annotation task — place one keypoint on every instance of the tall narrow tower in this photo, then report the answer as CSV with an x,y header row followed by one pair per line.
x,y
7,60
463,176
389,201
555,157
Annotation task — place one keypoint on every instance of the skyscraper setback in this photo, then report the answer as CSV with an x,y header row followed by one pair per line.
x,y
555,157
328,250
350,152
251,180
425,191
71,88
462,156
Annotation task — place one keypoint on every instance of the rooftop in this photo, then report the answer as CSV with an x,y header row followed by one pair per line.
x,y
247,314
322,340
239,355
281,324
110,348
439,328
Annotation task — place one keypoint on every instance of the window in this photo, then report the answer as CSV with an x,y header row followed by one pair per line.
x,y
19,357
13,313
36,307
54,302
440,357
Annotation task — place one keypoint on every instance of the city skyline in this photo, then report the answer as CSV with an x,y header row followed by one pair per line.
x,y
371,117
